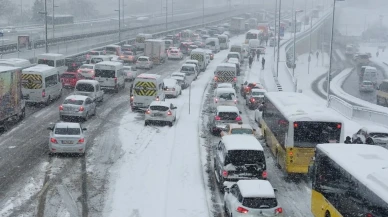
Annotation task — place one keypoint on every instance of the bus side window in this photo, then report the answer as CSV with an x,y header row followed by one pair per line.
x,y
51,80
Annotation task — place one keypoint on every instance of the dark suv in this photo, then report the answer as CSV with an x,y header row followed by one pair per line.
x,y
239,157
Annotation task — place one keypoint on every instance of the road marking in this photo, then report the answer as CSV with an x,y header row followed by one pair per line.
x,y
11,147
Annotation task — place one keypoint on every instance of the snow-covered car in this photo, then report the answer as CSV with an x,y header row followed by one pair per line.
x,y
240,128
128,57
171,88
144,62
239,157
175,54
237,62
224,85
373,135
87,71
211,54
255,98
252,197
247,86
130,72
9,29
190,70
224,115
191,47
67,138
77,106
367,86
224,96
195,62
181,78
160,112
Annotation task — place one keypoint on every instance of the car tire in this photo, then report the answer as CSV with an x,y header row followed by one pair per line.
x,y
327,214
170,124
146,123
116,89
370,141
86,116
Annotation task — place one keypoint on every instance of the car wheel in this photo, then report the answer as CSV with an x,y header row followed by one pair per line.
x,y
370,141
146,123
277,160
327,214
170,124
23,115
116,89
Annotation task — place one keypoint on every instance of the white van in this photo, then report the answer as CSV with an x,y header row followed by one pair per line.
x,y
224,96
98,59
200,56
113,50
16,62
110,75
237,48
225,73
369,74
140,40
54,60
146,89
41,84
90,88
224,42
213,44
254,44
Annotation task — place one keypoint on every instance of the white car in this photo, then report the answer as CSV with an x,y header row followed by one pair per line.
x,y
195,62
171,88
225,85
190,70
252,198
224,96
87,71
144,62
77,106
130,72
367,86
160,112
181,78
67,138
175,54
372,135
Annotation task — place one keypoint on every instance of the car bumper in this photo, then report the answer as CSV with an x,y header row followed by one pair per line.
x,y
77,148
149,118
170,93
175,57
73,114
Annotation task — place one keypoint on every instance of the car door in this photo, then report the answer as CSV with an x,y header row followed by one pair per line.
x,y
231,199
173,110
87,105
99,92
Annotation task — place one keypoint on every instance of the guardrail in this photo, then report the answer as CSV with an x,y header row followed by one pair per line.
x,y
357,112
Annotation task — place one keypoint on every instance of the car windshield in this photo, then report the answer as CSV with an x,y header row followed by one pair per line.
x,y
308,134
85,87
227,115
73,102
257,94
242,157
67,131
263,203
46,62
105,73
226,96
242,131
159,108
187,68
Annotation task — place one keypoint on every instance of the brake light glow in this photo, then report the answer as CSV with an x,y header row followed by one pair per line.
x,y
81,141
339,126
215,78
81,109
264,174
290,153
295,125
242,210
216,100
238,118
53,140
217,118
225,173
157,98
131,98
61,108
43,93
252,99
235,101
235,79
148,112
169,113
115,80
79,70
279,210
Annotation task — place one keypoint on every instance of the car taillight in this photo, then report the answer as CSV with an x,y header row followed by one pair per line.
x,y
234,79
216,100
252,99
217,118
81,109
264,174
79,70
43,93
225,173
235,101
215,78
53,140
131,99
238,118
173,89
148,111
61,108
242,210
368,215
278,210
115,80
169,113
157,98
81,141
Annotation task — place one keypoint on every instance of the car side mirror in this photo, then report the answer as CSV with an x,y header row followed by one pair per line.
x,y
227,190
49,128
84,129
240,112
174,107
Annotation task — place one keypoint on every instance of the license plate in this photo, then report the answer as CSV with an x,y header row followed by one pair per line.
x,y
158,115
67,142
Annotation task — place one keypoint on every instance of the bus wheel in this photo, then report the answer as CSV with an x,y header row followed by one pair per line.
x,y
327,214
277,160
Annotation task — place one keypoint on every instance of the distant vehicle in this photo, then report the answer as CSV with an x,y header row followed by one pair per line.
x,y
199,56
16,62
238,129
77,106
350,50
54,60
160,112
144,62
155,49
237,25
210,53
171,88
168,43
93,53
213,44
146,89
225,73
128,57
130,72
87,71
175,54
235,55
98,59
140,40
69,79
12,104
181,79
113,50
90,88
9,29
224,85
382,93
224,115
372,135
248,86
129,47
190,48
255,98
110,75
224,42
237,62
367,86
195,62
368,73
67,138
253,34
225,97
190,70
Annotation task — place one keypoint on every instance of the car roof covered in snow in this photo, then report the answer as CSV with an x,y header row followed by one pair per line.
x,y
240,126
375,129
241,142
77,97
67,125
366,163
169,82
225,90
258,90
256,188
148,76
224,85
225,108
189,64
160,103
300,107
85,81
192,61
178,74
227,65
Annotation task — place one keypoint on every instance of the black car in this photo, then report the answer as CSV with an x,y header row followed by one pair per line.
x,y
239,157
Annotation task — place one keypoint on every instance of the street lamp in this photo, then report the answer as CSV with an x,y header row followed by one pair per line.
x,y
166,14
21,12
277,63
294,48
331,54
123,6
276,10
53,19
203,13
45,25
119,21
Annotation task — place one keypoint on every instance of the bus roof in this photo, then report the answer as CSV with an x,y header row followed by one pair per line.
x,y
255,31
50,55
7,68
367,163
14,62
38,68
300,107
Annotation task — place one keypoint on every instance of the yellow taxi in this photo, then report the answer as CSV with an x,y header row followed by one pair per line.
x,y
238,129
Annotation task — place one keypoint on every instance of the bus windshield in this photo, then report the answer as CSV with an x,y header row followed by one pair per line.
x,y
309,134
46,62
251,36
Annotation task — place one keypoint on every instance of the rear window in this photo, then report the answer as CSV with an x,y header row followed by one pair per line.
x,y
380,135
226,96
228,115
159,108
105,73
187,68
309,134
73,102
85,87
242,131
235,49
46,62
68,75
260,203
232,56
367,83
142,59
96,60
94,53
86,67
173,51
67,131
242,157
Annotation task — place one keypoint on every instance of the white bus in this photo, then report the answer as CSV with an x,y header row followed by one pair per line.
x,y
293,124
253,34
41,84
16,62
54,60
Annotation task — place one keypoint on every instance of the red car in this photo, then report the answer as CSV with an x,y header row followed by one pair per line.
x,y
69,79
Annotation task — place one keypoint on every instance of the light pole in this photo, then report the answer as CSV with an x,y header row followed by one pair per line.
x,y
277,63
331,54
45,25
53,19
172,11
119,10
123,8
21,12
294,48
311,28
203,13
276,9
166,15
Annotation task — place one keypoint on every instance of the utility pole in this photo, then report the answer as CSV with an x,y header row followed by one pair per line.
x,y
166,15
277,63
331,53
274,47
53,19
45,21
21,12
119,10
203,13
172,11
311,29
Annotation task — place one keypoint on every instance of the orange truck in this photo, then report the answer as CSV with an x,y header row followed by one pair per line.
x,y
264,27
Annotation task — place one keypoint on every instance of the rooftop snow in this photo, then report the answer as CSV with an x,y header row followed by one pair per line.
x,y
256,188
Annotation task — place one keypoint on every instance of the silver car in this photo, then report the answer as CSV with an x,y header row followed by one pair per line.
x,y
77,106
144,62
67,138
367,86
